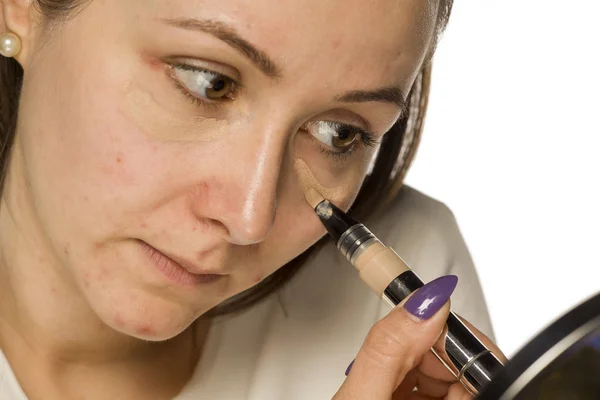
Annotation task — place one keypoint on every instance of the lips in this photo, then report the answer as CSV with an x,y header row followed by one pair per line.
x,y
191,267
178,270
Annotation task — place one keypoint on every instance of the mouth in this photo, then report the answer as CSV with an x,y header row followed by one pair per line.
x,y
179,271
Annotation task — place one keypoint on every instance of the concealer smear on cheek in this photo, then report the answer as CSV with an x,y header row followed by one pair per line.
x,y
141,109
343,193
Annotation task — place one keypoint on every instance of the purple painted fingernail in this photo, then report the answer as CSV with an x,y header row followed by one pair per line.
x,y
426,301
349,368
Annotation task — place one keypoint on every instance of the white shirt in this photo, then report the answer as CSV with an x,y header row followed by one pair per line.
x,y
298,343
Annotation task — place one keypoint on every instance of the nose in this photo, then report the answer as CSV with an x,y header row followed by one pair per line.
x,y
252,218
245,201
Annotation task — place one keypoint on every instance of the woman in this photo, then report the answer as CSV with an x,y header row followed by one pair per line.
x,y
153,181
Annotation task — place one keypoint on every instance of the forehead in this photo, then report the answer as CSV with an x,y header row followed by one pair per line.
x,y
389,37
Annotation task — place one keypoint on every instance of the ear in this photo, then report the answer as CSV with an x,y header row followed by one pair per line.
x,y
19,17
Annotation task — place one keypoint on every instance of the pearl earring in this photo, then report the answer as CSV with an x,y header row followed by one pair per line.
x,y
10,44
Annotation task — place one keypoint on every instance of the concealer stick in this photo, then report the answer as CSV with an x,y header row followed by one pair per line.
x,y
384,271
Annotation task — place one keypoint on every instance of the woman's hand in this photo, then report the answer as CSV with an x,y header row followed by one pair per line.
x,y
395,356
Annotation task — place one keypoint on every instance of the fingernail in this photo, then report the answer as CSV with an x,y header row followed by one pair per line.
x,y
349,368
426,301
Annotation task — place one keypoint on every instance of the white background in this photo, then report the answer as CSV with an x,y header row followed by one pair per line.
x,y
512,146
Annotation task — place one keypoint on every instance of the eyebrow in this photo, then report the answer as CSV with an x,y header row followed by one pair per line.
x,y
231,37
392,94
259,58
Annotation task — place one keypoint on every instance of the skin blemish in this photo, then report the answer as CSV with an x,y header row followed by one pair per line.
x,y
205,192
336,43
119,321
207,189
145,330
153,62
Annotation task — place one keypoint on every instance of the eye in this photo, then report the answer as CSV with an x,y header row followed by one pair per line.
x,y
337,136
204,84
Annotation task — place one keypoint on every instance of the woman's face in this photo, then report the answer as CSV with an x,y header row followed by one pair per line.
x,y
158,132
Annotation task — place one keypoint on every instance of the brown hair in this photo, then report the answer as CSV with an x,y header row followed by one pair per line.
x,y
396,152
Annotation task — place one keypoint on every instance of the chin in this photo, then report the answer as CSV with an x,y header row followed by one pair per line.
x,y
144,315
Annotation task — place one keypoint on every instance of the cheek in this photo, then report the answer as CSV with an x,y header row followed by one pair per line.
x,y
140,107
79,166
337,181
340,192
76,130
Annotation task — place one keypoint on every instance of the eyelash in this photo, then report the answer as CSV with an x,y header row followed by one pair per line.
x,y
367,138
211,105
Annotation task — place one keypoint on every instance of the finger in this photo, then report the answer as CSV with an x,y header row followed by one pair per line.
x,y
394,346
425,385
458,392
431,366
397,343
432,387
407,385
417,396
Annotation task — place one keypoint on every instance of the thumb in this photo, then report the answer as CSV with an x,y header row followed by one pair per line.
x,y
397,343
